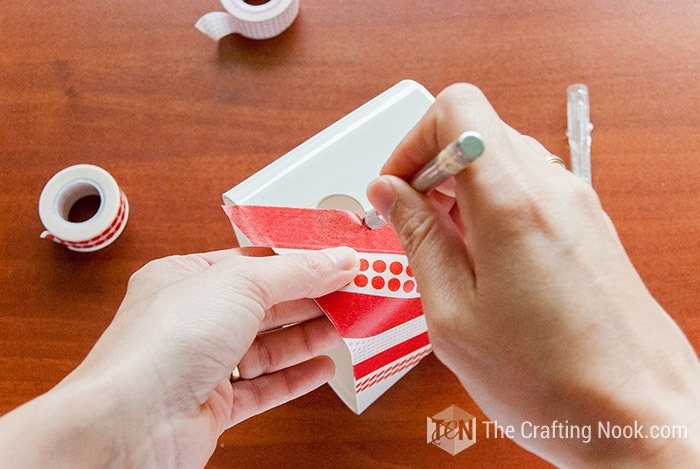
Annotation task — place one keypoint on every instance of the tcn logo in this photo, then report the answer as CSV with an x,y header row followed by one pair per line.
x,y
452,430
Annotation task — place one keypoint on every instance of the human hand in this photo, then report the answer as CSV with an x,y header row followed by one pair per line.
x,y
161,370
529,296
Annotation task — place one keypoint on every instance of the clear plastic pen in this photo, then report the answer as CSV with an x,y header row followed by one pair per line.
x,y
579,130
450,161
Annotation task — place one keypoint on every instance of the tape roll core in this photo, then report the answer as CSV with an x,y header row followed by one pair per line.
x,y
66,188
74,191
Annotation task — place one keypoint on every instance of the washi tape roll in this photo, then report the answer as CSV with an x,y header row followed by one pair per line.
x,y
67,187
252,21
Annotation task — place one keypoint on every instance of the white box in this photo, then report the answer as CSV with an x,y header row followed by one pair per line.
x,y
342,159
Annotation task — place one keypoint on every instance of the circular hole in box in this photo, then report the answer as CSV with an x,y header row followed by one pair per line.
x,y
342,202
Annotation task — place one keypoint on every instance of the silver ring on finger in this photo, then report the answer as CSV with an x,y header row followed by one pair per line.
x,y
550,158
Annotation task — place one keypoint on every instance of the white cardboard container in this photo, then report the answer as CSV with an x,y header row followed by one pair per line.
x,y
341,159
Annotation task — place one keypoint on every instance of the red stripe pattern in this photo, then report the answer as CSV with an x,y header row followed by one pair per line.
x,y
104,238
390,355
406,363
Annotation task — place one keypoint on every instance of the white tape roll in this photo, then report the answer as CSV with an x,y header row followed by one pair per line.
x,y
68,186
252,21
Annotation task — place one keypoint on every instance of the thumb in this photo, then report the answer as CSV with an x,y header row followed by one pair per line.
x,y
435,249
275,279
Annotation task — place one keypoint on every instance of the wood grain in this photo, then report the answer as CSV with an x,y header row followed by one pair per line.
x,y
131,86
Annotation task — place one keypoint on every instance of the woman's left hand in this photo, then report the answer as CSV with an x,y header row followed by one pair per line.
x,y
158,379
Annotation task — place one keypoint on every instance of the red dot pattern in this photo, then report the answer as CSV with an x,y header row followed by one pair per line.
x,y
378,275
393,284
379,266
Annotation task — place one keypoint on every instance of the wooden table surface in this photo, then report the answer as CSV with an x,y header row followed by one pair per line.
x,y
177,119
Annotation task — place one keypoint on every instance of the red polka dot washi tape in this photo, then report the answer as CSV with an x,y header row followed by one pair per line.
x,y
384,275
68,186
380,274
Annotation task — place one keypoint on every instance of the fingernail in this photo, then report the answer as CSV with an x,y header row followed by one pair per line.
x,y
343,257
382,196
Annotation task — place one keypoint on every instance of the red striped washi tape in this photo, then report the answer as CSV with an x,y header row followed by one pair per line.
x,y
68,186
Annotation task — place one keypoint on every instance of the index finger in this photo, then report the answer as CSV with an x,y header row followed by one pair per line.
x,y
458,108
290,312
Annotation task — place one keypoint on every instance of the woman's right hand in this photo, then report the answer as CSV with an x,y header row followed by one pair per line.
x,y
530,298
